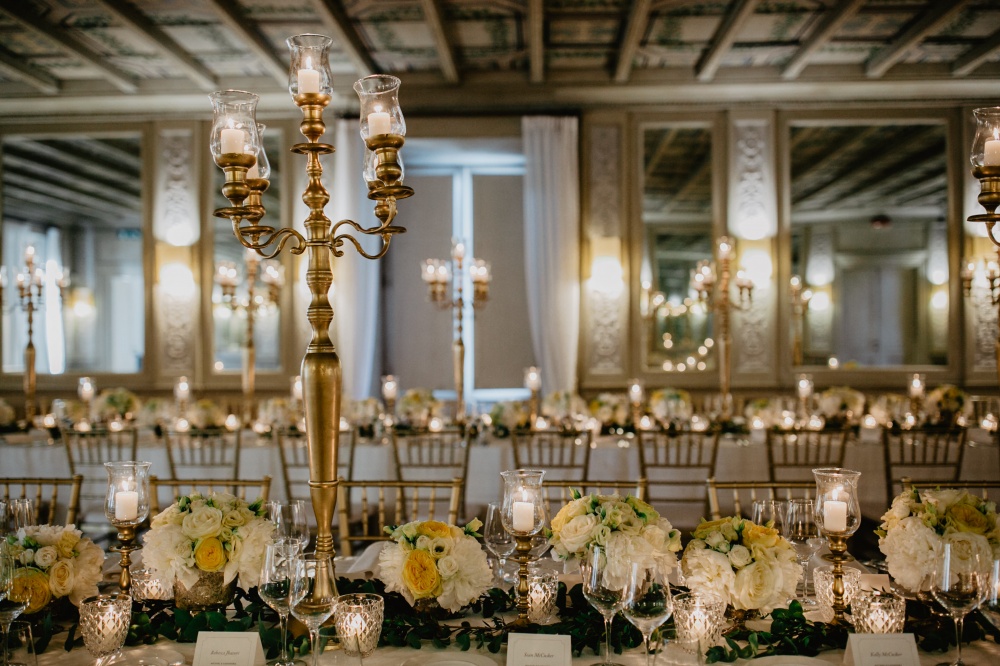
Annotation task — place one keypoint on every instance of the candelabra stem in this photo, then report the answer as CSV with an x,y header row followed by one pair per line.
x,y
458,345
838,555
523,557
249,375
533,409
799,326
126,541
723,305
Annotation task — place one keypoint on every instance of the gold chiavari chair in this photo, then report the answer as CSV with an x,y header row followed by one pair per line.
x,y
362,521
246,489
792,455
293,449
563,454
676,464
983,488
745,493
210,454
49,509
926,456
557,494
432,456
88,451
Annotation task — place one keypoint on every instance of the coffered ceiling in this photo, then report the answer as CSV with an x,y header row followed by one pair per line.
x,y
120,56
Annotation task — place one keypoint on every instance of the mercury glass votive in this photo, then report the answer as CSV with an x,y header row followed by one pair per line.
x,y
358,618
104,622
543,588
877,612
699,620
823,583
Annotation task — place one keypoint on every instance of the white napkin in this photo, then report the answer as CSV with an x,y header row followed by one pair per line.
x,y
363,563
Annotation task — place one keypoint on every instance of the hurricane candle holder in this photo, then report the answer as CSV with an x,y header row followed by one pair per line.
x,y
523,515
358,618
985,158
126,505
235,145
839,516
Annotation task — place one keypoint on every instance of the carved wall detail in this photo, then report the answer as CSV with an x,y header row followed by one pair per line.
x,y
176,220
984,315
604,186
177,332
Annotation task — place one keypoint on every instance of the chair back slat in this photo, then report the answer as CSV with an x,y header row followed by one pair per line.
x,y
50,508
246,489
744,494
564,455
923,456
422,455
87,452
676,464
203,453
793,454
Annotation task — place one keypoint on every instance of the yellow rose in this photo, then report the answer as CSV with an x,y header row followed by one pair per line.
x,y
61,578
967,518
706,528
33,585
434,528
210,555
759,536
420,574
67,543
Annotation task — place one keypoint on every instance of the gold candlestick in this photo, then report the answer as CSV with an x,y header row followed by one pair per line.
x,y
523,557
800,297
533,382
383,129
126,505
523,516
839,518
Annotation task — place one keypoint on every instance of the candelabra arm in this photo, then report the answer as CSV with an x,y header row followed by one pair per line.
x,y
263,239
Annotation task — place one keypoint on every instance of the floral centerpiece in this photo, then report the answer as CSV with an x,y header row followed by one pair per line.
x,y
561,407
765,412
70,411
944,404
207,540
918,524
630,530
841,405
54,562
8,416
417,406
116,403
749,566
363,412
155,412
670,404
430,561
611,409
277,413
204,414
506,416
888,408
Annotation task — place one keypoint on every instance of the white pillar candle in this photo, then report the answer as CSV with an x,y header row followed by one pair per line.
x,y
835,516
308,80
991,152
523,519
379,123
232,140
126,505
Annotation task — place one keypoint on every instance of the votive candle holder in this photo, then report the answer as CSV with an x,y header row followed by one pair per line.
x,y
698,619
877,612
147,587
543,588
104,622
358,618
823,584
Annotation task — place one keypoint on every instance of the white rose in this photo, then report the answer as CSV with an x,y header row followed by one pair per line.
x,y
255,536
26,557
169,516
61,578
709,571
46,556
440,546
472,578
739,556
577,533
601,534
729,531
716,541
758,586
447,567
910,549
423,542
655,537
89,563
235,518
203,522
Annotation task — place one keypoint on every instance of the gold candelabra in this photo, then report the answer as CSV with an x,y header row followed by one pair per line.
x,y
227,277
533,382
838,518
712,288
800,295
236,147
443,281
30,291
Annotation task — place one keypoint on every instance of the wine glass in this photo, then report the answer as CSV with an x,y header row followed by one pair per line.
x,y
290,522
802,532
648,603
958,586
498,540
275,588
313,594
13,600
604,595
770,513
990,606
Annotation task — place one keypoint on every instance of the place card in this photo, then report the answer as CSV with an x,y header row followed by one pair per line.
x,y
878,582
881,650
537,650
228,648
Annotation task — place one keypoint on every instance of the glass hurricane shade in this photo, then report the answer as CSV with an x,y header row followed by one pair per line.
x,y
309,66
127,498
234,124
986,142
380,112
262,169
523,508
838,512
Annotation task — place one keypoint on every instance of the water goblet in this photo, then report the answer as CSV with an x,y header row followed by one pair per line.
x,y
275,586
990,606
605,595
104,622
498,540
290,521
313,594
959,586
647,602
359,623
22,513
13,601
770,513
802,532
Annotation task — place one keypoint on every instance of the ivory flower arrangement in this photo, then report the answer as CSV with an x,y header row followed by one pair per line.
x,y
749,566
918,524
629,529
55,562
433,560
199,534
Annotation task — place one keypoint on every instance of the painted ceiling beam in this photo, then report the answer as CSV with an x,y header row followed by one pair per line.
x,y
233,17
14,66
638,19
939,13
536,40
347,36
976,56
445,53
725,35
820,35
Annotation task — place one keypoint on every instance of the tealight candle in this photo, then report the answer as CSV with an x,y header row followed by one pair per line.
x,y
390,387
436,424
532,379
523,518
126,505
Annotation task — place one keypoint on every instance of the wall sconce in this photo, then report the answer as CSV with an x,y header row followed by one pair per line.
x,y
606,274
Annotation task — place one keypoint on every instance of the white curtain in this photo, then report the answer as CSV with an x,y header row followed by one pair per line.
x,y
55,336
552,245
356,299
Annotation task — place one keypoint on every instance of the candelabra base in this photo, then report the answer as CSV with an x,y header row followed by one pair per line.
x,y
126,540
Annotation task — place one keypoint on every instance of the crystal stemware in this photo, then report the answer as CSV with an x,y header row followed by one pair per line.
x,y
275,588
313,594
990,606
648,602
290,521
498,540
13,601
959,586
607,596
770,513
802,532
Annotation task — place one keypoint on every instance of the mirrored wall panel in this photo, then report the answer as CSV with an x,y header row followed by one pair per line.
x,y
869,245
73,253
245,294
677,234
